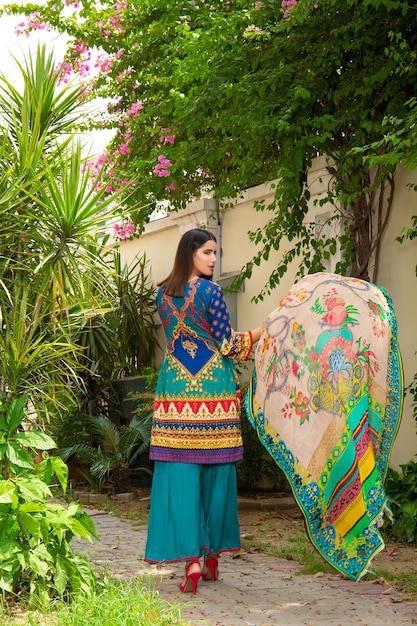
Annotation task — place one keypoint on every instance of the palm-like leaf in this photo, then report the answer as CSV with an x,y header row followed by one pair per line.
x,y
74,209
138,436
117,448
36,358
44,109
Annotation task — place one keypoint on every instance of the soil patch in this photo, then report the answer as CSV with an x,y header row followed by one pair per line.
x,y
276,527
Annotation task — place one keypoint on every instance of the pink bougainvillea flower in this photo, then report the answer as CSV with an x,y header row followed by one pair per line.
x,y
251,30
161,168
134,110
287,6
166,138
124,231
34,22
164,161
124,148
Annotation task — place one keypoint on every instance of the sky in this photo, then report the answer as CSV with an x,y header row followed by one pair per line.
x,y
12,45
20,46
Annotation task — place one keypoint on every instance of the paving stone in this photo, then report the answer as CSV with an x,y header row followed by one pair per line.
x,y
252,589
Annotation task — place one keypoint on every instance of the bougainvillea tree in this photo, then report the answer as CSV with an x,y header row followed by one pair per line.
x,y
219,95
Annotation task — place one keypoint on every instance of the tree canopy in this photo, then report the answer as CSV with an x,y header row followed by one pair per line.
x,y
218,95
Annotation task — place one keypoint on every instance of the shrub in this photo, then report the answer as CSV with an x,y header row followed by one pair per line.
x,y
401,489
36,561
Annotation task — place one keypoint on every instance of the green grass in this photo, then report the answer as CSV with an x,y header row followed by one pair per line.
x,y
133,603
294,547
132,514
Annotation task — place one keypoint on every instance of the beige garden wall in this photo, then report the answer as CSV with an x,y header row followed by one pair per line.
x,y
397,267
397,273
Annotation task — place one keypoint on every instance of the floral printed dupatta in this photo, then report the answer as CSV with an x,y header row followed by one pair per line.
x,y
326,401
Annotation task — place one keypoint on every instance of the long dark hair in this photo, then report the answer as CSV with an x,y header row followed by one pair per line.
x,y
174,284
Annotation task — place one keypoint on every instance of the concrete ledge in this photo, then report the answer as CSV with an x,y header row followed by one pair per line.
x,y
86,497
266,504
244,504
81,496
124,497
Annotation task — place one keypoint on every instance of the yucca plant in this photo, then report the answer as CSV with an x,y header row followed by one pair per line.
x,y
43,111
38,357
134,317
53,274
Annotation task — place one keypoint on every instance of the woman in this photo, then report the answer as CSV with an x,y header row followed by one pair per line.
x,y
196,437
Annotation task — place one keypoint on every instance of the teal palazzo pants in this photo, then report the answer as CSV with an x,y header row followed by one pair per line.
x,y
193,511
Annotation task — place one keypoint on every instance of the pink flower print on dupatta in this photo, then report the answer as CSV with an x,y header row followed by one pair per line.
x,y
302,407
336,312
379,320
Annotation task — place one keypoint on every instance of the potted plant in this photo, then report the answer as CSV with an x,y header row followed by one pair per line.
x,y
119,345
134,321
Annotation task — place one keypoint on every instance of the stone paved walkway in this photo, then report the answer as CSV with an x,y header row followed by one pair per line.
x,y
252,590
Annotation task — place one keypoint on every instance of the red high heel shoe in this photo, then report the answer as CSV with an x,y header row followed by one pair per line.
x,y
212,568
191,579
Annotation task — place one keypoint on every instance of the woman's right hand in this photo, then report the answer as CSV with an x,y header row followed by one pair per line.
x,y
256,334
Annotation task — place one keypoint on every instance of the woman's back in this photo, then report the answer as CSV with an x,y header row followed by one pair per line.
x,y
197,398
196,324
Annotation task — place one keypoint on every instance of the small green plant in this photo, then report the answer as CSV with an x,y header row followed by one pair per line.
x,y
95,484
116,450
37,564
144,399
70,427
401,489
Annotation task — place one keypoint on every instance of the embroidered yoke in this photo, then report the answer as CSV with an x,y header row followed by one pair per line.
x,y
197,398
